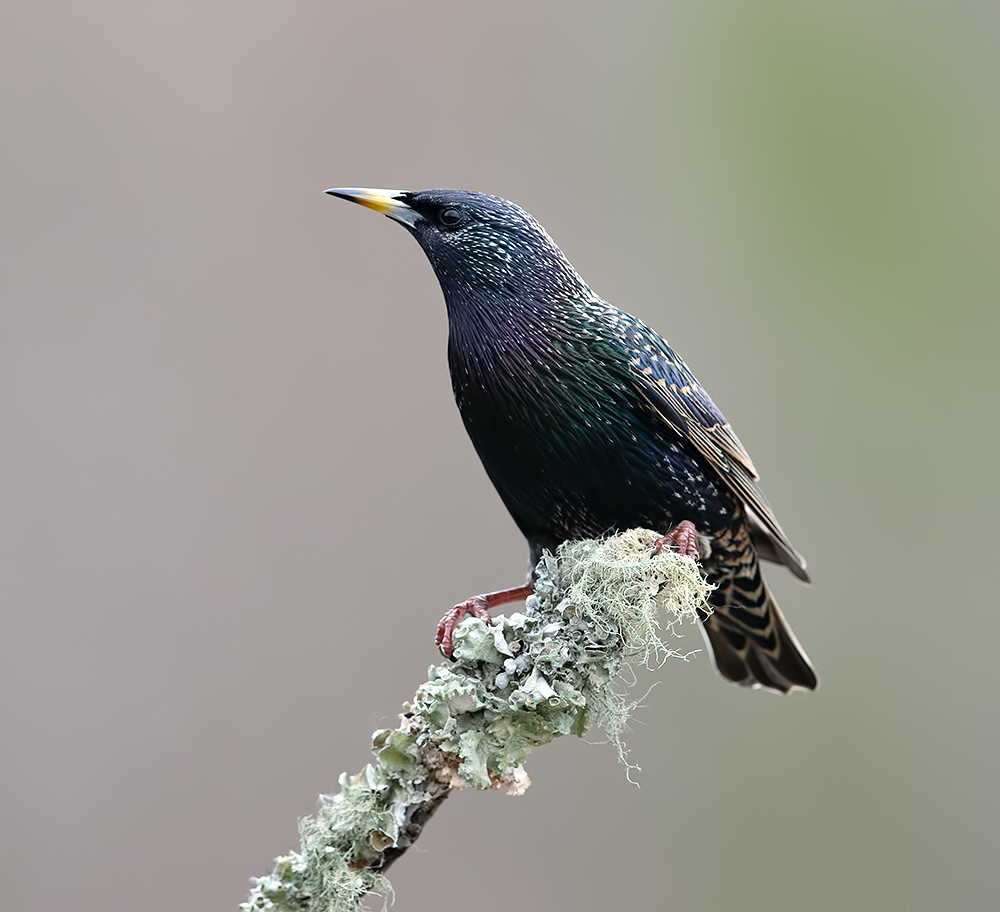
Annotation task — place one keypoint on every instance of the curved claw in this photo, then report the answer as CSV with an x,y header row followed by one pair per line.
x,y
682,538
475,607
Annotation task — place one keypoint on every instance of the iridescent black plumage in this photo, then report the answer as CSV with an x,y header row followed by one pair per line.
x,y
587,422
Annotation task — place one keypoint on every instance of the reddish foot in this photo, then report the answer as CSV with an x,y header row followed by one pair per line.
x,y
478,606
682,538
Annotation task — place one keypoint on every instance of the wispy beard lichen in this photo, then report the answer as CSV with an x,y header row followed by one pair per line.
x,y
515,683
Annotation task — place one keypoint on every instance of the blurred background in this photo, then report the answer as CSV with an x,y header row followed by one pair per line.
x,y
236,467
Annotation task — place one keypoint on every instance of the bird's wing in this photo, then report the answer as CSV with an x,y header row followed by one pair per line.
x,y
666,383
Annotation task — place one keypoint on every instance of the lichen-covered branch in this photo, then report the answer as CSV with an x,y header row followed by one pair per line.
x,y
515,683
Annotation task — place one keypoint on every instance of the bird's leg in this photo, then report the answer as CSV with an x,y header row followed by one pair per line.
x,y
682,538
478,606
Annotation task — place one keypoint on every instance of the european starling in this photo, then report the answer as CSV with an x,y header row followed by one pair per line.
x,y
588,422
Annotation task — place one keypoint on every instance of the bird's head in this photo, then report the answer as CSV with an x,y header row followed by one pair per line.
x,y
479,245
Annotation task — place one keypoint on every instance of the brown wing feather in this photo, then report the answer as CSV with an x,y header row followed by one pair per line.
x,y
687,408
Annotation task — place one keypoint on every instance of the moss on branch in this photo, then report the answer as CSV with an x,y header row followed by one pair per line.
x,y
515,683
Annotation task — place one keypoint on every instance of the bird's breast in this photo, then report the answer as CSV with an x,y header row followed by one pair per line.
x,y
571,448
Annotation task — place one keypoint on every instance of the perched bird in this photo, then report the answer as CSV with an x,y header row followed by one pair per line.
x,y
588,422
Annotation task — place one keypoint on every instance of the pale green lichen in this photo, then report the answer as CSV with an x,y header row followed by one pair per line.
x,y
515,683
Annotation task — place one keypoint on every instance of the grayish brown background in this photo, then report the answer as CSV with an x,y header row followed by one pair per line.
x,y
240,494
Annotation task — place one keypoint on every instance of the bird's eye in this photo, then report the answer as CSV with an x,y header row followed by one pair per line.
x,y
451,218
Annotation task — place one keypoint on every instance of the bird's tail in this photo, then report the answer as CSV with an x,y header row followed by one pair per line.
x,y
750,641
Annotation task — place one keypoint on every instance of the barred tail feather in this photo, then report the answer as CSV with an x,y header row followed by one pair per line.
x,y
750,641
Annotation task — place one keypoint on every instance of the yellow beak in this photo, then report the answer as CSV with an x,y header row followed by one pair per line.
x,y
385,201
